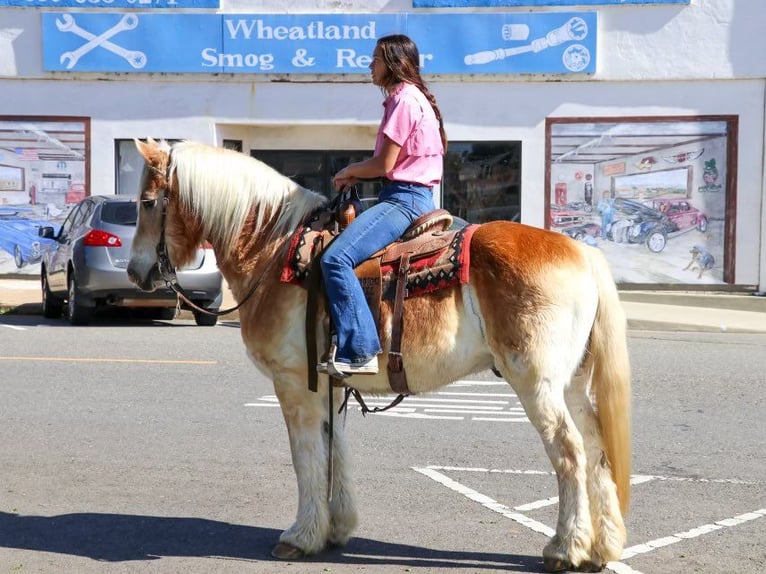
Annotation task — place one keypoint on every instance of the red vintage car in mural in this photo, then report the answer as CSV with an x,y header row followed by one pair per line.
x,y
680,212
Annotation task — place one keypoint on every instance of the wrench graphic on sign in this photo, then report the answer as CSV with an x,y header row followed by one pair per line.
x,y
127,22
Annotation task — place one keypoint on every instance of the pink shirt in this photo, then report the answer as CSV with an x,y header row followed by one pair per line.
x,y
409,120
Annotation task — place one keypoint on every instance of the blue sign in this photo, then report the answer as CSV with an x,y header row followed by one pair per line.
x,y
139,4
506,3
501,43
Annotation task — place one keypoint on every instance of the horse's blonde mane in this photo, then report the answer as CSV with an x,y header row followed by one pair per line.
x,y
222,188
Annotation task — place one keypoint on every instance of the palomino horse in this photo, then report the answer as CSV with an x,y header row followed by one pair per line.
x,y
539,307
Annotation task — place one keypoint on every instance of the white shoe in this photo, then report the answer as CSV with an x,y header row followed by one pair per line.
x,y
369,367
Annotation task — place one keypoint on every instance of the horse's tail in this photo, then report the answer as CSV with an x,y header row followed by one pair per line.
x,y
611,377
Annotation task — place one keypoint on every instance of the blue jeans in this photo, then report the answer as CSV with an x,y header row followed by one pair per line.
x,y
399,204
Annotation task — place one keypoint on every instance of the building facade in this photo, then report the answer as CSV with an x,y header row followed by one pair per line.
x,y
637,127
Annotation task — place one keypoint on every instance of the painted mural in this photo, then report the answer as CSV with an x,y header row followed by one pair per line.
x,y
42,175
658,213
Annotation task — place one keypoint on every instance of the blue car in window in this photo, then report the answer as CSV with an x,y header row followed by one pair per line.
x,y
19,235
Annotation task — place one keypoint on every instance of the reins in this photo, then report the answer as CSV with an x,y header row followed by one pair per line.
x,y
168,272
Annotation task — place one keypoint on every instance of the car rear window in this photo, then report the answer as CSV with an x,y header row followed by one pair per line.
x,y
119,213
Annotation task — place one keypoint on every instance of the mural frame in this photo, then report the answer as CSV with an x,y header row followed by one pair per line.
x,y
687,152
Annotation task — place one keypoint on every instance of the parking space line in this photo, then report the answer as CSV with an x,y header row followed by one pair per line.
x,y
693,533
14,327
516,515
485,501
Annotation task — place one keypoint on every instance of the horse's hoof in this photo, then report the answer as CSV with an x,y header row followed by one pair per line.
x,y
589,566
554,564
285,551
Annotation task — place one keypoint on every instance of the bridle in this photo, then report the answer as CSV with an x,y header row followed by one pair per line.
x,y
168,271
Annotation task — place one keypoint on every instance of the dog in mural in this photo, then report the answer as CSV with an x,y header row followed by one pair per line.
x,y
702,260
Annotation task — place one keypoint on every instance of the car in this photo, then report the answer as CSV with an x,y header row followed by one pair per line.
x,y
682,213
636,222
580,232
87,269
19,235
561,216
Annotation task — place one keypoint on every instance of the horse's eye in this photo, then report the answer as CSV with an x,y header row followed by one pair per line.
x,y
148,203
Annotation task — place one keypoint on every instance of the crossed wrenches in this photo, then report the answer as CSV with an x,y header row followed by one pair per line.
x,y
127,22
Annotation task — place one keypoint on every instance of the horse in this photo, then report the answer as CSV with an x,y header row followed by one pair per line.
x,y
539,308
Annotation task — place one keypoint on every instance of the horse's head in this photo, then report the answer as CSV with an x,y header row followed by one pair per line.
x,y
154,194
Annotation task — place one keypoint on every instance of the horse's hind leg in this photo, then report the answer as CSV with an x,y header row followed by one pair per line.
x,y
543,401
608,527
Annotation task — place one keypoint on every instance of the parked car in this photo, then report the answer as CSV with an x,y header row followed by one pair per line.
x,y
88,268
19,236
635,222
580,232
680,212
561,216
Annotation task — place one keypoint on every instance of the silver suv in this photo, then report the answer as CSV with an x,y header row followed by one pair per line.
x,y
87,268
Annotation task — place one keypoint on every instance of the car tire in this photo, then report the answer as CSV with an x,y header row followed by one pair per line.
x,y
77,314
18,258
52,305
656,241
205,320
162,313
702,224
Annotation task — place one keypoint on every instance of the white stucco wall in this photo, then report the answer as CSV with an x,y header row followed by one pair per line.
x,y
705,58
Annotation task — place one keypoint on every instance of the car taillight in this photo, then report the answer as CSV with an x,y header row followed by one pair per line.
x,y
99,238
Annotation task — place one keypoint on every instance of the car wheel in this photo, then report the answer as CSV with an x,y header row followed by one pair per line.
x,y
162,313
77,314
18,258
702,224
52,305
205,320
656,241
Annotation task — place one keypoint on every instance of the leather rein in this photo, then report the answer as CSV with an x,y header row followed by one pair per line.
x,y
168,271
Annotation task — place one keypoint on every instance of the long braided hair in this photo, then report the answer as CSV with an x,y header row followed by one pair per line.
x,y
402,59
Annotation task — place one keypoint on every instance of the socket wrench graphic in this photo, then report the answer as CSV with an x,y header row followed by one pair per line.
x,y
575,29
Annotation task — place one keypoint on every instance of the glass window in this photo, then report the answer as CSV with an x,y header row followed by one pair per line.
x,y
482,181
119,213
314,169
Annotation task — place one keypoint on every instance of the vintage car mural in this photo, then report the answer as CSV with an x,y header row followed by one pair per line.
x,y
19,235
636,222
680,212
651,222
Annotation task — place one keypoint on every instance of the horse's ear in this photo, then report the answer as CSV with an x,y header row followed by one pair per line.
x,y
148,149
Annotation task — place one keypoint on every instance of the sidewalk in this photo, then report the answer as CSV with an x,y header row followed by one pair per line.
x,y
646,310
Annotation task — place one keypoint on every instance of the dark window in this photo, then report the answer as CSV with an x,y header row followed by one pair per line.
x,y
314,169
482,181
119,213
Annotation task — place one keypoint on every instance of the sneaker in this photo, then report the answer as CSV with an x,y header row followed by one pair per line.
x,y
369,367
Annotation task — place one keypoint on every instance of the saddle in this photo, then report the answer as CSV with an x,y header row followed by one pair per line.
x,y
429,256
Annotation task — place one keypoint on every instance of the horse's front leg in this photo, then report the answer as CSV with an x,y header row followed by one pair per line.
x,y
318,521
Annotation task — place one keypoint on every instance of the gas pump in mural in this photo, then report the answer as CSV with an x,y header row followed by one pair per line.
x,y
659,219
34,192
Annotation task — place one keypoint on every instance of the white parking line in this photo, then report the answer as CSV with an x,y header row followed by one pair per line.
x,y
14,327
516,515
693,533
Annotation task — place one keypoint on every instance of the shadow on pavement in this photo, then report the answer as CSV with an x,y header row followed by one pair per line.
x,y
121,537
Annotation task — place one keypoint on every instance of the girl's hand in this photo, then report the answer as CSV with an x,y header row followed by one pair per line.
x,y
342,179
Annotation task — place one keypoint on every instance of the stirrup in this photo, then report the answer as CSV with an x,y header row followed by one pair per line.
x,y
332,368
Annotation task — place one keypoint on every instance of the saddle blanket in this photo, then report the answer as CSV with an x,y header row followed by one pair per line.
x,y
428,272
